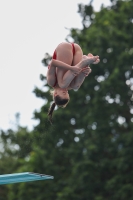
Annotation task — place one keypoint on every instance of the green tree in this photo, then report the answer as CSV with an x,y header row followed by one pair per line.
x,y
88,149
15,147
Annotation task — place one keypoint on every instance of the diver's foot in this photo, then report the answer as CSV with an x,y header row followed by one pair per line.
x,y
87,60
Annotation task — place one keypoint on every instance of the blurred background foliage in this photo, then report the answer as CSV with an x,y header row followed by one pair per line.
x,y
89,148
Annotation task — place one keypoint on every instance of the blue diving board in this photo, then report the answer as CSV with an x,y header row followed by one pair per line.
x,y
23,177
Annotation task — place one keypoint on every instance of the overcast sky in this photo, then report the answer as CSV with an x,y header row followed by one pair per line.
x,y
29,29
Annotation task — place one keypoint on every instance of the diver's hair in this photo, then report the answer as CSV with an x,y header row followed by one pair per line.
x,y
59,102
50,111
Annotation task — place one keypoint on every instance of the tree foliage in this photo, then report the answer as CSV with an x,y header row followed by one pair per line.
x,y
88,149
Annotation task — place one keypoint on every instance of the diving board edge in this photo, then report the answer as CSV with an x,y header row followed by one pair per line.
x,y
23,177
